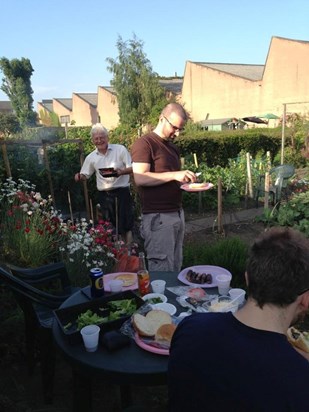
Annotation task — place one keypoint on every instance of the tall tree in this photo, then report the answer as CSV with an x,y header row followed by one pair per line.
x,y
135,83
16,84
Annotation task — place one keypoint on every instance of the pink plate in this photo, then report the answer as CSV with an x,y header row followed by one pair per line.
x,y
110,276
150,348
206,186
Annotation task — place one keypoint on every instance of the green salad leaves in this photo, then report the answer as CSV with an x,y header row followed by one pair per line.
x,y
114,309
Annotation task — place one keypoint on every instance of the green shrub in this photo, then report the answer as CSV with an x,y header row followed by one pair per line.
x,y
294,213
216,148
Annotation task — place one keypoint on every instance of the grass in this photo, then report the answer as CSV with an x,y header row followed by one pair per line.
x,y
229,253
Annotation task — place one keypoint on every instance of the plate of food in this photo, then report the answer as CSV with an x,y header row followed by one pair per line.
x,y
204,275
129,280
196,187
153,331
108,172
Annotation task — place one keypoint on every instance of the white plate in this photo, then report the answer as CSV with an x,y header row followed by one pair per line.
x,y
213,270
167,307
154,295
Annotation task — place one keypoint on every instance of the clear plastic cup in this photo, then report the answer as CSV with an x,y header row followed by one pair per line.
x,y
90,336
223,282
238,294
158,286
116,285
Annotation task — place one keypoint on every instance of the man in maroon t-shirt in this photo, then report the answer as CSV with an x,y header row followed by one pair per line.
x,y
156,169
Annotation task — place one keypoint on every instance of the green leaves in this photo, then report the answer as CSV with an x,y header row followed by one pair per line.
x,y
228,253
17,86
294,213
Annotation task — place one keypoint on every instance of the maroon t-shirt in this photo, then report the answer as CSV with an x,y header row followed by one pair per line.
x,y
163,156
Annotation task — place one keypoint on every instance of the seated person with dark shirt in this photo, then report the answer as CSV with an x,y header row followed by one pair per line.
x,y
243,361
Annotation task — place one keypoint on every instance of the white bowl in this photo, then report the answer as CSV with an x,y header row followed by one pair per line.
x,y
150,296
167,307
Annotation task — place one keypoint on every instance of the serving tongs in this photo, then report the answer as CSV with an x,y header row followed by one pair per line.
x,y
198,174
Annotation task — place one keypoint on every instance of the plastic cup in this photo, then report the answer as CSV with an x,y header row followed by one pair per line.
x,y
90,336
238,294
158,286
223,282
116,285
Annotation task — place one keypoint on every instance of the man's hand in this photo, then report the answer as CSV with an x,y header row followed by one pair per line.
x,y
78,177
185,176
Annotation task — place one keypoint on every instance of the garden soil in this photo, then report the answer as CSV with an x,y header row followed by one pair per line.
x,y
21,393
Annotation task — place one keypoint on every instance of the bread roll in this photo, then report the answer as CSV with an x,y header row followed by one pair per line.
x,y
142,326
149,324
165,333
298,339
196,185
159,317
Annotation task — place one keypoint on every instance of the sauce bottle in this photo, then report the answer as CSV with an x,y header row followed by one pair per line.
x,y
143,276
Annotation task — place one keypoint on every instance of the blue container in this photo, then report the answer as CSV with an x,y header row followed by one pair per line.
x,y
96,282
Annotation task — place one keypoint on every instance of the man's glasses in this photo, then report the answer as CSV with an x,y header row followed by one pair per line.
x,y
176,129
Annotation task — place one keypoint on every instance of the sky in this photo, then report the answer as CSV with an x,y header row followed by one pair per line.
x,y
68,41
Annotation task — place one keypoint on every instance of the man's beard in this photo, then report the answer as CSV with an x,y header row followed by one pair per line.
x,y
171,137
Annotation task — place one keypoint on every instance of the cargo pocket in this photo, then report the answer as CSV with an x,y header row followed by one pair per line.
x,y
156,223
157,262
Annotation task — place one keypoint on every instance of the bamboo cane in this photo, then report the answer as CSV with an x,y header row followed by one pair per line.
x,y
195,159
70,207
220,225
91,211
116,211
250,188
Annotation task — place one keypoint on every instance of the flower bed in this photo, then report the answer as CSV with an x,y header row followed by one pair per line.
x,y
33,233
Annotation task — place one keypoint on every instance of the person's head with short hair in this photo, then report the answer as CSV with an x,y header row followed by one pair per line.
x,y
99,136
171,121
277,269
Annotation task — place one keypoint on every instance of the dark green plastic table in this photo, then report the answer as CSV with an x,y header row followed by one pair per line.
x,y
127,366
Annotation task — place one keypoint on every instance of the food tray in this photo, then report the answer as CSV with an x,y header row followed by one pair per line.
x,y
69,315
